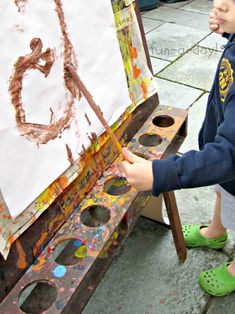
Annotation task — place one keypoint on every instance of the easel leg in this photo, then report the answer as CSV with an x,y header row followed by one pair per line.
x,y
175,224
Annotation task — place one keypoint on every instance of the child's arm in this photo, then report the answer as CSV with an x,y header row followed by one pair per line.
x,y
138,171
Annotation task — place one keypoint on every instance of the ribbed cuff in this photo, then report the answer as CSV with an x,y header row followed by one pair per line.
x,y
165,175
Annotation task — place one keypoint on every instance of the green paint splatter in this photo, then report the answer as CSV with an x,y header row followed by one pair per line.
x,y
81,252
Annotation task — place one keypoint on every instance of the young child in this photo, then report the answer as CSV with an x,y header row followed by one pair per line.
x,y
213,164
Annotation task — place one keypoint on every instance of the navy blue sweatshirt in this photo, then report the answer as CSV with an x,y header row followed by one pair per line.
x,y
214,163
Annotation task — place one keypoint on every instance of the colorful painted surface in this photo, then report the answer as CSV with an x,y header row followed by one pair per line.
x,y
93,242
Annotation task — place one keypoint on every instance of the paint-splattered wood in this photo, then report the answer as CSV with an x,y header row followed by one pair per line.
x,y
96,235
25,251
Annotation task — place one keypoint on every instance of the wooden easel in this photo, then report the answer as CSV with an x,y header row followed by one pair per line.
x,y
59,215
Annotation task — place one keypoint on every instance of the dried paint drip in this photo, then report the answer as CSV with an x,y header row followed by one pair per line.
x,y
70,155
93,137
42,133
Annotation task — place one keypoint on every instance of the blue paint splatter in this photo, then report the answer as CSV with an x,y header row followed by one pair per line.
x,y
77,243
59,271
59,305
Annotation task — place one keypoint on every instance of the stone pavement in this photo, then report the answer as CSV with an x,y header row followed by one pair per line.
x,y
146,278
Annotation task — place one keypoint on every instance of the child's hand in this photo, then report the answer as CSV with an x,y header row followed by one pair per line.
x,y
138,171
213,23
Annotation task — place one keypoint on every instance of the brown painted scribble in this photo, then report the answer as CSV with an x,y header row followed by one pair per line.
x,y
75,77
52,115
93,137
70,155
69,54
83,150
88,120
21,4
42,133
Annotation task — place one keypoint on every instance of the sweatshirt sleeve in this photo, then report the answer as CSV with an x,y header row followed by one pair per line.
x,y
212,165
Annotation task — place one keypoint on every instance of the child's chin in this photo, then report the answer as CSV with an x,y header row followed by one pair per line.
x,y
227,29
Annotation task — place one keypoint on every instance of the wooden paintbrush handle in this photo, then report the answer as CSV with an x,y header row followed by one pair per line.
x,y
78,82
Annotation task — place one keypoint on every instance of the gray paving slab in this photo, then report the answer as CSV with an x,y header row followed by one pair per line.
x,y
195,68
158,64
180,17
196,205
225,305
146,277
176,95
229,249
175,5
150,24
170,41
213,41
200,6
196,115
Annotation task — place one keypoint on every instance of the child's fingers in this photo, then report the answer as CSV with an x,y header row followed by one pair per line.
x,y
132,158
138,175
214,26
213,22
213,13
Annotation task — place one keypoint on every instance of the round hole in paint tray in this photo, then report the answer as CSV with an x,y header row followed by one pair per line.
x,y
69,252
37,297
117,186
95,216
150,139
163,121
142,155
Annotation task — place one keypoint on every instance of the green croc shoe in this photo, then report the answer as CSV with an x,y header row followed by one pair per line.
x,y
217,281
194,238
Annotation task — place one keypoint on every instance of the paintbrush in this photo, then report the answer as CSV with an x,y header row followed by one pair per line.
x,y
78,82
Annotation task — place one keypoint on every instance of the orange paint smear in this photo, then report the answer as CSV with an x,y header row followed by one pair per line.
x,y
2,207
133,53
144,89
41,260
136,71
21,263
132,50
39,243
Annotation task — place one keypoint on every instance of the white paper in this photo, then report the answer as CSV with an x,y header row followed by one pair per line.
x,y
26,166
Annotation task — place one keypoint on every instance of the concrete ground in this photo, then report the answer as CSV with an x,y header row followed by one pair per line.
x,y
146,278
